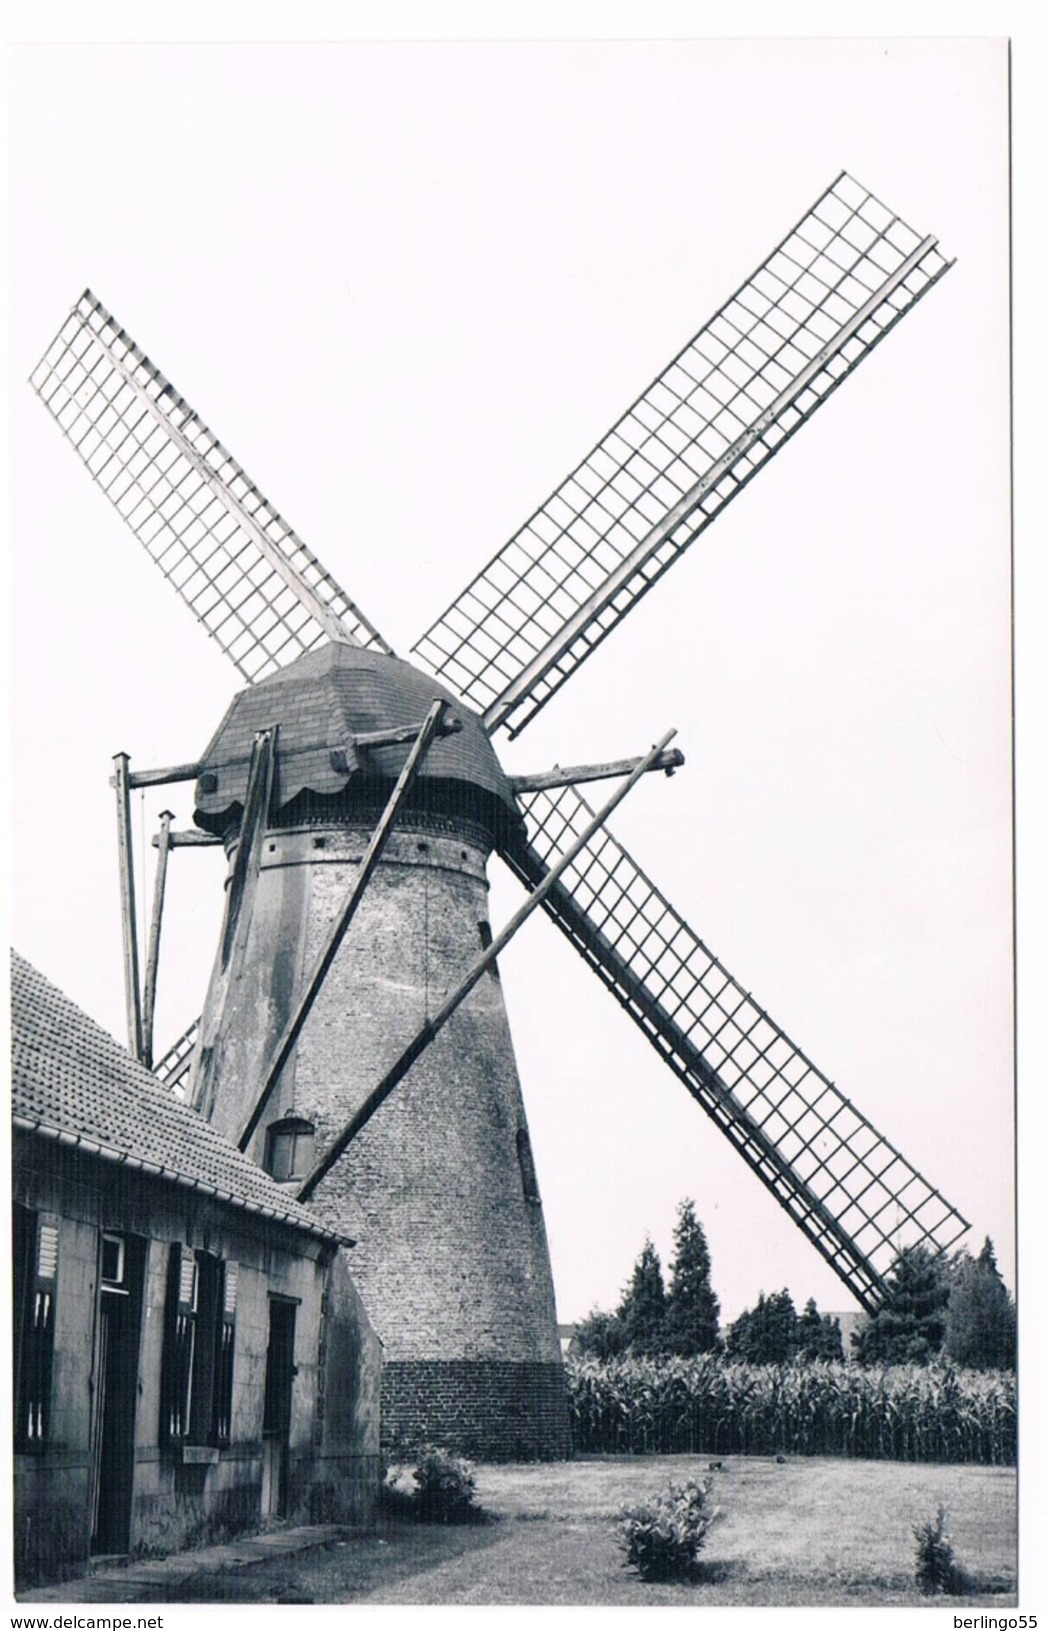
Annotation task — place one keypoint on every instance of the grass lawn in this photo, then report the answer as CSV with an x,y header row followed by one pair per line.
x,y
814,1532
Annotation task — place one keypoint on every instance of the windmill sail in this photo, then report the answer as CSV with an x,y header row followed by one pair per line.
x,y
851,1192
176,1063
742,387
242,571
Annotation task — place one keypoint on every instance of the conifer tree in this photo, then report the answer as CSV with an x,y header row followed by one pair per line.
x,y
766,1334
641,1312
818,1335
909,1327
692,1322
980,1326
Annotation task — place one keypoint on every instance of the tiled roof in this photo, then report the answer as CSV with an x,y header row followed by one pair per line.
x,y
73,1082
320,701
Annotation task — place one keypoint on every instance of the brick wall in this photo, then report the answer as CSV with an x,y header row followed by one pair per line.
x,y
451,1256
489,1411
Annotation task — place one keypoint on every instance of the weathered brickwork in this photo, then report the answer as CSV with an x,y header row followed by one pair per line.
x,y
487,1410
451,1256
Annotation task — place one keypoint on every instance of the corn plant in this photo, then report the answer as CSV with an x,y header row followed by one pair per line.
x,y
709,1405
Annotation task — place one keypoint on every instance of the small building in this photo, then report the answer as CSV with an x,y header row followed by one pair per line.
x,y
851,1322
566,1334
192,1358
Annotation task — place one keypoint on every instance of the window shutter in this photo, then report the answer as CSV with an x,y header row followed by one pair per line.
x,y
224,1349
179,1343
37,1264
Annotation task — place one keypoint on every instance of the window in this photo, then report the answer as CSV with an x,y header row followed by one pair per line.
x,y
36,1275
200,1338
113,1258
289,1148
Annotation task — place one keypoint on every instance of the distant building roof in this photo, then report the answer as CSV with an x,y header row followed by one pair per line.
x,y
71,1081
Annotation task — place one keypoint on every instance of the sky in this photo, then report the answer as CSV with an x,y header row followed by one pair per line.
x,y
409,287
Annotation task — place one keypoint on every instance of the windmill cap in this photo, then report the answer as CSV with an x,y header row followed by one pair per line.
x,y
321,703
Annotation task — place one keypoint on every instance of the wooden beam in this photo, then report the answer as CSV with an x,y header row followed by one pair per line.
x,y
361,741
336,934
163,846
402,733
669,761
240,893
432,1027
128,924
188,838
169,773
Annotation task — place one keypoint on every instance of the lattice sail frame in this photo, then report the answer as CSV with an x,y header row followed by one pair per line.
x,y
814,309
853,1194
238,565
174,1067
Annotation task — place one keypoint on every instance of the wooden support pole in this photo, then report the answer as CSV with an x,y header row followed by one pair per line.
x,y
240,891
129,929
393,1077
163,843
379,838
669,761
190,838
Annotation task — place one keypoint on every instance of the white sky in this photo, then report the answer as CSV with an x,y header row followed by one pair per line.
x,y
409,287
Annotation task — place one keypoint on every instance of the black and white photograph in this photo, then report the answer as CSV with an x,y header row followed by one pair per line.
x,y
511,813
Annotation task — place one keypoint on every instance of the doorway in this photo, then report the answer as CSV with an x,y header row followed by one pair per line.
x,y
280,1373
116,1397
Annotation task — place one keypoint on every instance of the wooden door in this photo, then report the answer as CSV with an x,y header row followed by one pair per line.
x,y
276,1424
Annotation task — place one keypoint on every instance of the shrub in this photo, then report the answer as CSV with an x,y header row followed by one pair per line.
x,y
445,1487
936,1568
663,1536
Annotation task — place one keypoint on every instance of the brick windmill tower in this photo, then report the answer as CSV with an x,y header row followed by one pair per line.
x,y
354,1036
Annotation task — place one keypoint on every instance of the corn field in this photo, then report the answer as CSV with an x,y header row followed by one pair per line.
x,y
712,1406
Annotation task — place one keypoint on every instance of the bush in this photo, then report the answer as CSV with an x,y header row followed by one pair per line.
x,y
936,1568
663,1536
445,1487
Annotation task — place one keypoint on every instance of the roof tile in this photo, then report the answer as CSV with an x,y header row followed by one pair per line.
x,y
74,1081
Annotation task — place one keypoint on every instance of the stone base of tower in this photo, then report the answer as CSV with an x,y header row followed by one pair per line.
x,y
489,1410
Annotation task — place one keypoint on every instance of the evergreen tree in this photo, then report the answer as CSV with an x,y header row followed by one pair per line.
x,y
641,1312
980,1328
766,1334
818,1335
909,1327
692,1321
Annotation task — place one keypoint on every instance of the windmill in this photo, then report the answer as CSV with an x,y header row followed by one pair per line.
x,y
354,1035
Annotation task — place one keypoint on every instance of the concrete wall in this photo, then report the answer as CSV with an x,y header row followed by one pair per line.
x,y
334,1467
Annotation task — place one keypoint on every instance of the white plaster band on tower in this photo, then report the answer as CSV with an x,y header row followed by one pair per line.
x,y
344,846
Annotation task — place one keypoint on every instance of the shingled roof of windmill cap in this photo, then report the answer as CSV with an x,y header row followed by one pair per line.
x,y
71,1081
320,703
